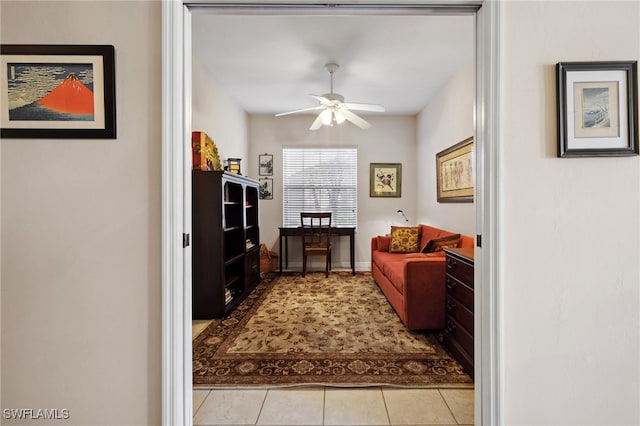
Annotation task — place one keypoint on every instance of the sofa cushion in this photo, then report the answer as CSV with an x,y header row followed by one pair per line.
x,y
383,242
424,255
394,271
428,233
382,257
404,239
439,244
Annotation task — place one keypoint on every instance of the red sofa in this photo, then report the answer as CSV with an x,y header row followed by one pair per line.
x,y
414,283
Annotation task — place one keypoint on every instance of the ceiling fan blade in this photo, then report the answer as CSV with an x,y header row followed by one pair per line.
x,y
355,119
323,101
364,107
315,108
317,123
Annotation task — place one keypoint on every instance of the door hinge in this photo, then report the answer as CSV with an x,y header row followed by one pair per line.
x,y
185,240
479,240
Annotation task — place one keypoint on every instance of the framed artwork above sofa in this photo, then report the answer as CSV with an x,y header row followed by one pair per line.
x,y
455,173
385,179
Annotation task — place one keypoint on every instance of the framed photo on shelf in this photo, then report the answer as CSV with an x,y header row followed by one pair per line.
x,y
265,162
597,107
455,173
266,188
385,180
57,91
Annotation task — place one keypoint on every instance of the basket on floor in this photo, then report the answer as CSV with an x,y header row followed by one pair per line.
x,y
268,259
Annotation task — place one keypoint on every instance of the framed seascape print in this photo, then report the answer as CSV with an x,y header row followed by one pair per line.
x,y
455,173
597,108
57,91
385,179
266,188
265,164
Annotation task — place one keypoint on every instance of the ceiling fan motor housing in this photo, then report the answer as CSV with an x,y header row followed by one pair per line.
x,y
333,97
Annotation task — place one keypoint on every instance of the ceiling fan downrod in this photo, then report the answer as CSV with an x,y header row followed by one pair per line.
x,y
332,67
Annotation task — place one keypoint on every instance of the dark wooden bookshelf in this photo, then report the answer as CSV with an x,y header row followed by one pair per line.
x,y
226,242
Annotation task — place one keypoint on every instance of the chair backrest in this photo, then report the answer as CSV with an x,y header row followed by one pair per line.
x,y
316,229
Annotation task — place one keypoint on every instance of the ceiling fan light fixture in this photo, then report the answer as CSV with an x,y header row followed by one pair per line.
x,y
334,109
326,117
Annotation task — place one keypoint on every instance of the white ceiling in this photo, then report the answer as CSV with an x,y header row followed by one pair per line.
x,y
270,64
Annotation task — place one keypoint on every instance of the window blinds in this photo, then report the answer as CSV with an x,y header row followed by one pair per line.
x,y
320,180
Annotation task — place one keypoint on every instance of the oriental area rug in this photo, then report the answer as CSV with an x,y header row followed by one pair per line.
x,y
336,331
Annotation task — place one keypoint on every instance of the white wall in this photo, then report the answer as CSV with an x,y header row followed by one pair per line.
x,y
217,114
445,121
389,140
81,247
571,230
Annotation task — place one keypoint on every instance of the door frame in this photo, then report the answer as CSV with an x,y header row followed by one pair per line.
x,y
176,188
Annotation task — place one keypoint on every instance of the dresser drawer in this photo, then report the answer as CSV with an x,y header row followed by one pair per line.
x,y
456,332
460,269
459,291
453,347
462,315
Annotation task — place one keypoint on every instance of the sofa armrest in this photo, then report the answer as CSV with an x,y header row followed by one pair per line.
x,y
374,243
425,289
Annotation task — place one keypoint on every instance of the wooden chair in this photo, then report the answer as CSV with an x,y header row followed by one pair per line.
x,y
316,238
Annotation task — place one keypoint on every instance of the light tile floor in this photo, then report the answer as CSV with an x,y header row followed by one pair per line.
x,y
333,406
310,406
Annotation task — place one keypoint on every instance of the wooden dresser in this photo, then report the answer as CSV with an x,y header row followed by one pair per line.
x,y
458,334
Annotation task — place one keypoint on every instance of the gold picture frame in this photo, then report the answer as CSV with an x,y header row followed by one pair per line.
x,y
385,180
455,173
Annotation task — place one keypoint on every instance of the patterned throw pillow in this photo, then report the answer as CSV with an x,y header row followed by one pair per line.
x,y
439,244
404,239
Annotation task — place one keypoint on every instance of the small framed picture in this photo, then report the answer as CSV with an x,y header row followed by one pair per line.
x,y
266,188
385,180
57,91
597,108
455,173
265,162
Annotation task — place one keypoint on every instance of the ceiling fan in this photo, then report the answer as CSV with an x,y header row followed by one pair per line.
x,y
334,110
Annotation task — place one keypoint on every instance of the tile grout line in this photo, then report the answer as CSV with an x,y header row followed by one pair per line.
x,y
324,404
262,406
386,409
200,405
448,407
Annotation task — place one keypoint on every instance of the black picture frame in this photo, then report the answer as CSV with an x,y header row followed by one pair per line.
x,y
41,70
265,164
266,188
597,107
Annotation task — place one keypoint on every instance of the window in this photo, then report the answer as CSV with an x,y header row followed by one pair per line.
x,y
320,180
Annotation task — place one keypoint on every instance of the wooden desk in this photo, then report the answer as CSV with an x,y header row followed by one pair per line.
x,y
286,232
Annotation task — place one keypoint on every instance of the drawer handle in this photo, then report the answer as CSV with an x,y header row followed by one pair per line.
x,y
451,263
451,305
450,284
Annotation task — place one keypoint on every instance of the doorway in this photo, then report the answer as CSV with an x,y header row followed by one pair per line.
x,y
176,203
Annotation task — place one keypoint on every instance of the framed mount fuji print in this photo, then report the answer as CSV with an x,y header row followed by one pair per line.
x,y
57,91
597,108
